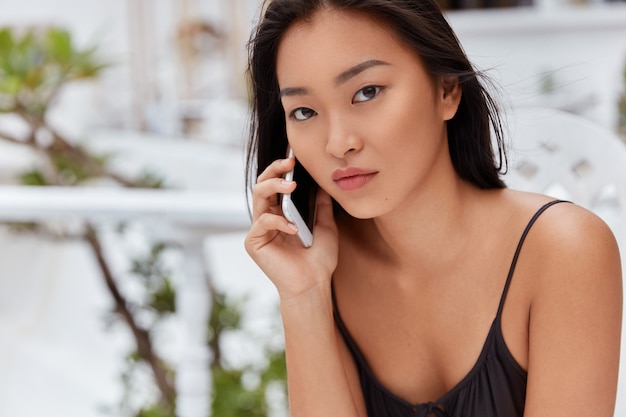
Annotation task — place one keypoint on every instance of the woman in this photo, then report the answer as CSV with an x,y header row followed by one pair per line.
x,y
430,289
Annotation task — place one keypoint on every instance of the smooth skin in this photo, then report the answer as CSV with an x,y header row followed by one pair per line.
x,y
419,265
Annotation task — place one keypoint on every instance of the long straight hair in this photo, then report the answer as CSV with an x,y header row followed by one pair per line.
x,y
421,25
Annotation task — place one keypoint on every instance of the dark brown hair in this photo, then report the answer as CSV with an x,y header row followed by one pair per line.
x,y
422,26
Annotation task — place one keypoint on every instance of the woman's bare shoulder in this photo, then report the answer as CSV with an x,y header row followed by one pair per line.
x,y
571,260
565,231
566,242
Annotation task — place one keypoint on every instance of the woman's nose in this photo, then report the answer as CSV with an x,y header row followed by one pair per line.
x,y
342,138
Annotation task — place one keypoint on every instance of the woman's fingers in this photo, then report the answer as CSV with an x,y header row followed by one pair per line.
x,y
264,195
269,184
276,169
265,229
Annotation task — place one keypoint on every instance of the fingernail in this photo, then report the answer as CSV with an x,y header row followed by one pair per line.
x,y
292,227
286,183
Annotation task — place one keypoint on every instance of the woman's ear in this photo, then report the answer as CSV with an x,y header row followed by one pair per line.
x,y
450,94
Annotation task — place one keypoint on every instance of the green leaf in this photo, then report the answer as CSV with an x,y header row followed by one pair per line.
x,y
25,55
134,357
149,179
156,410
224,316
71,171
10,85
34,78
6,42
36,64
85,64
231,399
34,177
57,43
276,369
164,300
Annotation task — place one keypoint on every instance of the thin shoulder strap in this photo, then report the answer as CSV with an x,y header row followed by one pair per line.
x,y
344,331
519,248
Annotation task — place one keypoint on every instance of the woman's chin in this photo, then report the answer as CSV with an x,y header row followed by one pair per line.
x,y
358,212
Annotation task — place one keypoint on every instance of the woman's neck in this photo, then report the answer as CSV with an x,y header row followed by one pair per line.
x,y
429,232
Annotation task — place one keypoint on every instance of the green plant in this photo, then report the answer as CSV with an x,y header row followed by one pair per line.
x,y
621,106
35,65
232,396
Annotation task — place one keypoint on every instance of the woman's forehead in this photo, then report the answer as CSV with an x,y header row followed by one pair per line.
x,y
335,40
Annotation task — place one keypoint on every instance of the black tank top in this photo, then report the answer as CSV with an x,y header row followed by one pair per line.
x,y
495,387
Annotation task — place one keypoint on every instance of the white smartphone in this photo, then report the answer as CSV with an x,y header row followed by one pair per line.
x,y
299,206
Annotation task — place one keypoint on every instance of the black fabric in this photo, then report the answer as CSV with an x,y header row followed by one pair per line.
x,y
495,387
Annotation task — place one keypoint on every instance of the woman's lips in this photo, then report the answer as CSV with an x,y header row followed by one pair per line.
x,y
352,178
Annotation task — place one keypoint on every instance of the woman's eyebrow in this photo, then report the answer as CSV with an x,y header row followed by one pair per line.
x,y
340,79
357,69
293,91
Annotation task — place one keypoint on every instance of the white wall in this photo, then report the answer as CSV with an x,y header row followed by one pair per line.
x,y
582,50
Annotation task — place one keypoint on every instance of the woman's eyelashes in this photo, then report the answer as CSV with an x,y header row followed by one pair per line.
x,y
302,113
366,93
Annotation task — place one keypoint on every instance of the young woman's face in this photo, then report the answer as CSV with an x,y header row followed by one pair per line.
x,y
362,115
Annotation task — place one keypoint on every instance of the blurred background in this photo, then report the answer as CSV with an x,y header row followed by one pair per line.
x,y
124,286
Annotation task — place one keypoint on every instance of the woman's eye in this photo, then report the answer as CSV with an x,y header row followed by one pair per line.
x,y
366,94
302,113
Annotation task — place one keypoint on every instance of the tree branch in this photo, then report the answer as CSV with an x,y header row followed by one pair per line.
x,y
141,336
80,155
60,145
214,342
12,139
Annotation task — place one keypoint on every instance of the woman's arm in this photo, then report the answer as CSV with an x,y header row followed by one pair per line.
x,y
320,381
575,317
317,380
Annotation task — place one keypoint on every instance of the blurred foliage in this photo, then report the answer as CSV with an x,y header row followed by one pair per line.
x,y
224,316
33,177
149,179
156,279
35,65
135,365
232,396
155,411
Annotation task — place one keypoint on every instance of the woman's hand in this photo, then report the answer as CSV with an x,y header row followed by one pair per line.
x,y
272,242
